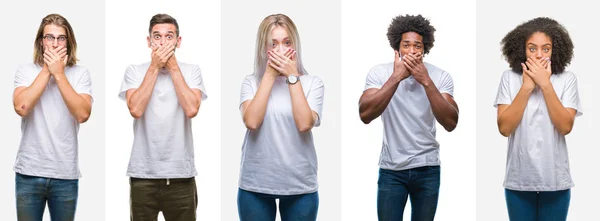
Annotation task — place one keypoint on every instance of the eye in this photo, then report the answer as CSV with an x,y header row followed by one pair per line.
x,y
62,38
169,37
157,37
418,46
531,49
287,43
546,50
405,46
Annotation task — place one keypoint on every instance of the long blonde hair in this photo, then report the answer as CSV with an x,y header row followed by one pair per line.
x,y
263,40
58,20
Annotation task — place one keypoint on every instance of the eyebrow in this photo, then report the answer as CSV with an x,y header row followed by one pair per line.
x,y
549,44
157,32
407,41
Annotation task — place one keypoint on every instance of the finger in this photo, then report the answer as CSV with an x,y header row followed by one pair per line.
x,y
410,59
277,68
408,65
170,54
274,60
549,66
288,53
524,67
62,50
396,56
48,56
275,57
66,59
293,56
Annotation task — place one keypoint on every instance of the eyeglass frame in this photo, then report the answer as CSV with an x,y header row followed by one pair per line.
x,y
52,38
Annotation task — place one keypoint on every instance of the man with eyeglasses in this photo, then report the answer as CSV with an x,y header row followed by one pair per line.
x,y
53,96
163,95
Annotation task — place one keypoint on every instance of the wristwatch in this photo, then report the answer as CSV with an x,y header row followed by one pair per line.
x,y
292,79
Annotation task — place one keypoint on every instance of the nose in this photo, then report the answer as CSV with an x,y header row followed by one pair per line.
x,y
538,55
412,50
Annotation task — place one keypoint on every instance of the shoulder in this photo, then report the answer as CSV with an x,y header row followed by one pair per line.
x,y
435,70
186,67
28,68
383,68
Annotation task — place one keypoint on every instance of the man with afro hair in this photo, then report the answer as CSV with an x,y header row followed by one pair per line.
x,y
410,95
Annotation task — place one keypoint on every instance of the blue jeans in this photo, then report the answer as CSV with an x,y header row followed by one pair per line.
x,y
421,184
261,207
533,206
33,192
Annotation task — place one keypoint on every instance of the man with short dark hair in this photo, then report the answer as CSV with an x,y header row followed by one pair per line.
x,y
163,95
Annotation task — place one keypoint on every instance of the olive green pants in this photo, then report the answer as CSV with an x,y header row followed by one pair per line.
x,y
177,199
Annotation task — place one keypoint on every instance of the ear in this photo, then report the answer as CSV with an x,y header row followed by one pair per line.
x,y
178,41
149,43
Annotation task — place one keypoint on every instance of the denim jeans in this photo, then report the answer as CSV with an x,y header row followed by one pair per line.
x,y
176,198
33,192
421,184
261,207
533,206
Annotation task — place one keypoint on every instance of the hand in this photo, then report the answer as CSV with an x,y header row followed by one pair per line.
x,y
414,64
285,64
172,65
400,71
539,70
55,59
528,83
160,54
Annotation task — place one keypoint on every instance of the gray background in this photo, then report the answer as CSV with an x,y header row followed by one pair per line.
x,y
318,24
21,21
494,20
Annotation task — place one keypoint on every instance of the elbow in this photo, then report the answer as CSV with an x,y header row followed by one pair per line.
x,y
450,127
566,130
135,113
365,118
83,118
303,128
252,126
505,132
191,113
21,110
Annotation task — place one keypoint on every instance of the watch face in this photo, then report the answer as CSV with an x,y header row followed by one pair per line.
x,y
292,79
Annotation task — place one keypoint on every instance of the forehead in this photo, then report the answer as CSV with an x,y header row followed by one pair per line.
x,y
279,33
412,36
54,29
539,38
164,28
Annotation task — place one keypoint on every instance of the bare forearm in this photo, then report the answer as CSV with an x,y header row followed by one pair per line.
x,y
445,113
186,97
510,118
302,113
138,101
373,104
255,113
560,117
79,107
25,100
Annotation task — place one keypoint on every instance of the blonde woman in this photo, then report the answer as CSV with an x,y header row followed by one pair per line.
x,y
280,104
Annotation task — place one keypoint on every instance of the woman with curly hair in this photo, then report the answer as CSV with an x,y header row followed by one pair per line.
x,y
537,102
410,95
280,104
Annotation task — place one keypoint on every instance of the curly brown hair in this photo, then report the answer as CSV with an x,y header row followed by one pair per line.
x,y
411,23
514,44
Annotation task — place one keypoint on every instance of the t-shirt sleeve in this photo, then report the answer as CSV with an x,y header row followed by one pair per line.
x,y
446,84
21,78
315,98
503,95
197,82
570,98
84,84
374,79
247,92
130,81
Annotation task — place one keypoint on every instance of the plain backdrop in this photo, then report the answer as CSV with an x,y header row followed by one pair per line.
x,y
364,45
21,22
127,24
318,23
492,25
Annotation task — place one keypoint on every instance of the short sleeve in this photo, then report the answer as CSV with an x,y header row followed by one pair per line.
x,y
195,81
315,98
130,81
570,97
446,84
247,92
503,95
21,79
84,83
374,79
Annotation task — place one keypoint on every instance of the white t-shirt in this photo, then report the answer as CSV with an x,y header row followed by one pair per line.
x,y
408,121
163,145
537,153
49,141
277,158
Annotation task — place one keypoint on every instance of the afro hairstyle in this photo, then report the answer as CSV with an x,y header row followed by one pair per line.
x,y
514,44
411,23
